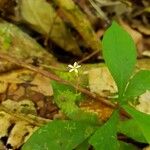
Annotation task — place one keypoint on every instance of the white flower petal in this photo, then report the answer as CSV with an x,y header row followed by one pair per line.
x,y
71,70
70,66
74,67
75,64
76,70
78,66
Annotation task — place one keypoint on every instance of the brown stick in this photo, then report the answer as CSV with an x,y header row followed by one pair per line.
x,y
88,56
56,78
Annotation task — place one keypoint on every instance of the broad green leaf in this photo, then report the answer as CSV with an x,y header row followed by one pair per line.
x,y
131,129
119,52
67,100
142,119
138,84
43,18
59,135
83,146
126,146
106,136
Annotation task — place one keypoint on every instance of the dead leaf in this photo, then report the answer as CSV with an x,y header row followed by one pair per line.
x,y
41,16
43,85
24,106
18,44
144,103
101,81
80,22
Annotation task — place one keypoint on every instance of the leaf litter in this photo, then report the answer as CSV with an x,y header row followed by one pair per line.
x,y
65,29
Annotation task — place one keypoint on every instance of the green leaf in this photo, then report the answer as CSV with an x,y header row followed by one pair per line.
x,y
142,119
138,84
59,135
131,129
119,52
67,100
106,134
126,146
83,146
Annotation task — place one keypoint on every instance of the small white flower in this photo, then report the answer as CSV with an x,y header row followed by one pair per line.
x,y
74,67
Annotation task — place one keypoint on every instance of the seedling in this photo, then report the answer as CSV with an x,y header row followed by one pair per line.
x,y
82,129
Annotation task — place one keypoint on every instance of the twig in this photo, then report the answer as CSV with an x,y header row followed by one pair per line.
x,y
54,68
56,78
88,56
30,67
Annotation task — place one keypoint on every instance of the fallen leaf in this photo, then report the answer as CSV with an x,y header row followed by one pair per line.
x,y
101,81
41,16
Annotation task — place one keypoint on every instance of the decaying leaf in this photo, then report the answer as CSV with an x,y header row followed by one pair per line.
x,y
41,16
147,148
17,123
5,123
37,82
80,22
24,106
144,103
18,44
1,145
18,134
101,81
42,85
20,129
3,87
102,111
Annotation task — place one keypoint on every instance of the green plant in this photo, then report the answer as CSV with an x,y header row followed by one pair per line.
x,y
83,129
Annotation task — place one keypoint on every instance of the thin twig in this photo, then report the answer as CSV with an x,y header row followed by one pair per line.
x,y
56,78
88,56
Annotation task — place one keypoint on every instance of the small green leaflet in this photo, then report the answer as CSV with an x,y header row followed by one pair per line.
x,y
67,100
131,129
119,53
142,119
105,138
59,135
138,84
